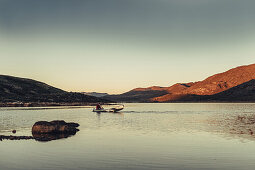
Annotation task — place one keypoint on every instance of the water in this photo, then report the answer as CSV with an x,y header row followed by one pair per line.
x,y
144,136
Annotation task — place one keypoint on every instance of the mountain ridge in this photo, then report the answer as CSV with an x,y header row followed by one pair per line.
x,y
16,89
200,90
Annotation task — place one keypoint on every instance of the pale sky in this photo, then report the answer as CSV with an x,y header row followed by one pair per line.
x,y
114,46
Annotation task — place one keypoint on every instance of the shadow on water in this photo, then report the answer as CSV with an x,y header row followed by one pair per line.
x,y
112,113
50,137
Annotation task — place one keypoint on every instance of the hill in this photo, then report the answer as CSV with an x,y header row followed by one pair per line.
x,y
244,92
13,89
195,91
136,95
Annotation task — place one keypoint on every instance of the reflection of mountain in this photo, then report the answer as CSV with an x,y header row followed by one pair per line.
x,y
26,90
234,85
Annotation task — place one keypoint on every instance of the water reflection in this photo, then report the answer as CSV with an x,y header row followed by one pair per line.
x,y
229,120
50,137
98,115
112,113
148,136
39,137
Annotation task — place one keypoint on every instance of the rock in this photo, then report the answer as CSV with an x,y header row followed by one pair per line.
x,y
54,127
47,131
74,124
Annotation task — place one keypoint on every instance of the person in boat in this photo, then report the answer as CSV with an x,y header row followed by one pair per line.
x,y
98,107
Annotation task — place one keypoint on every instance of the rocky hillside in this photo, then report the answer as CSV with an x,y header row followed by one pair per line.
x,y
223,81
197,91
243,92
13,89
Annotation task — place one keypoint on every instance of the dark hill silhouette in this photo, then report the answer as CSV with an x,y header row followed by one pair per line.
x,y
136,96
13,89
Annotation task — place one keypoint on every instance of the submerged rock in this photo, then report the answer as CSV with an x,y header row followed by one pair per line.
x,y
54,127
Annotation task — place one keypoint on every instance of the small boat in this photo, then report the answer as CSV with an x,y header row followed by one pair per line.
x,y
114,109
99,110
117,109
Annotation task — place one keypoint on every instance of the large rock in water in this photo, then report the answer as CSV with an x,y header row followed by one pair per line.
x,y
54,127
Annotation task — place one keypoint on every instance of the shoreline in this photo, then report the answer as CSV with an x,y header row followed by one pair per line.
x,y
81,105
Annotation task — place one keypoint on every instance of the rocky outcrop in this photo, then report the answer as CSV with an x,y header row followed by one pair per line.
x,y
46,131
54,127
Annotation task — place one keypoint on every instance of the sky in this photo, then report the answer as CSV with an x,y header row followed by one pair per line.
x,y
114,46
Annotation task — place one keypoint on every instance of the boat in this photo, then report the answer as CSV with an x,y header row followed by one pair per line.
x,y
114,109
99,110
117,109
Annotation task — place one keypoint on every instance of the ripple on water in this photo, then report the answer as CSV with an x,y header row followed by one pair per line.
x,y
143,136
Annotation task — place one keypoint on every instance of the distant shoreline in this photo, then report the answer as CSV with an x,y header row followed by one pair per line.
x,y
81,105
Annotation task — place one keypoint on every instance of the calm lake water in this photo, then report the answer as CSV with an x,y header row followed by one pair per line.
x,y
144,136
